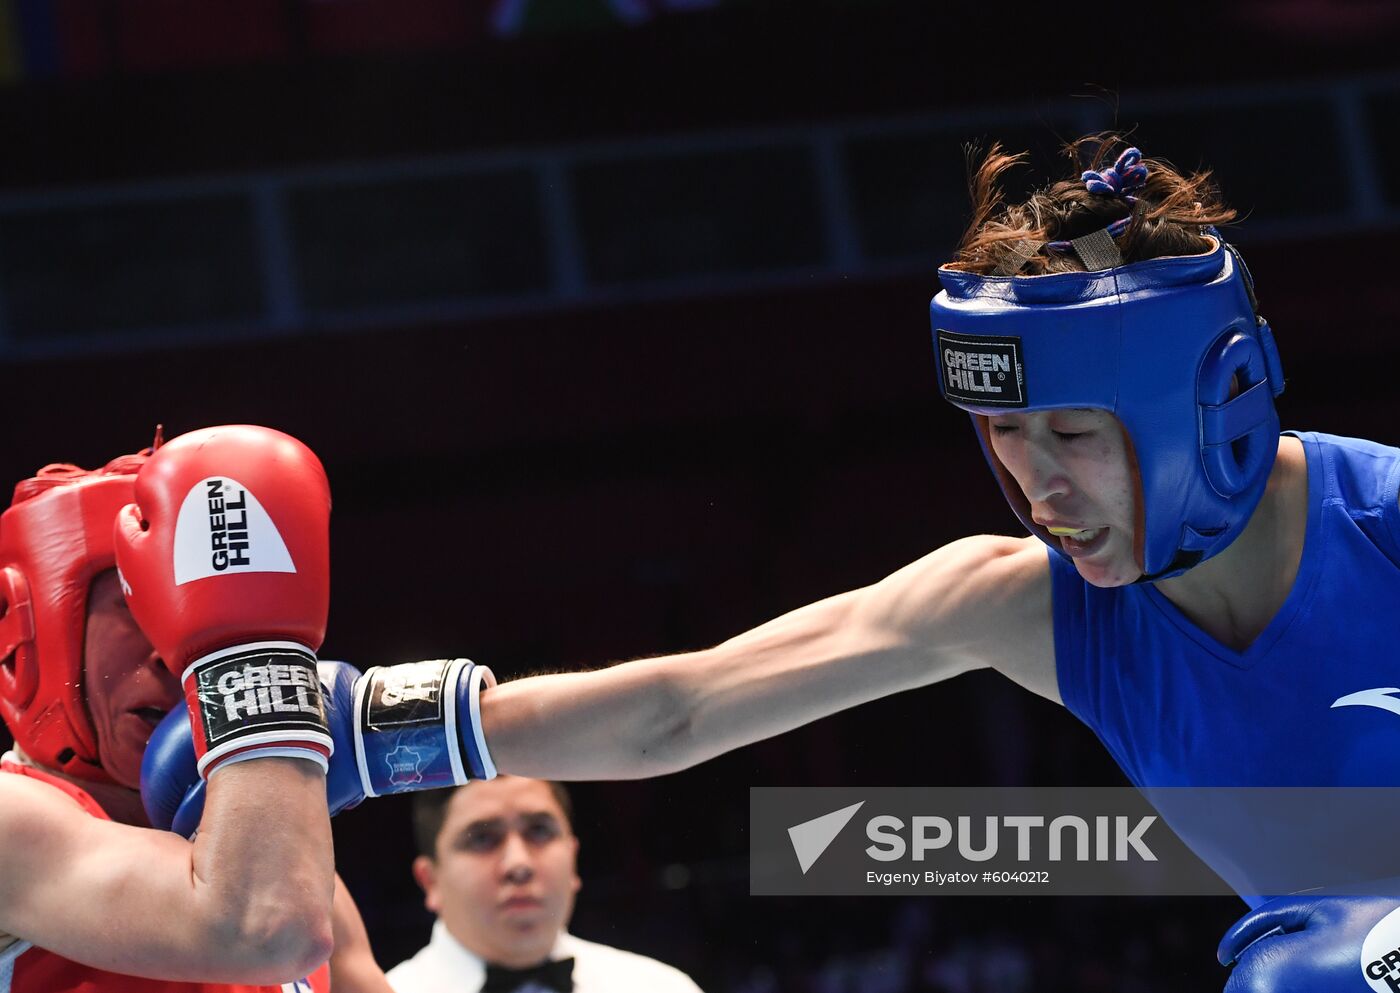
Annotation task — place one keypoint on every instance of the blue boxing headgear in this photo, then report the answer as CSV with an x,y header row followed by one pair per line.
x,y
1172,347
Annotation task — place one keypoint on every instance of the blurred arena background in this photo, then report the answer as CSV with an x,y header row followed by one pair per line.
x,y
608,319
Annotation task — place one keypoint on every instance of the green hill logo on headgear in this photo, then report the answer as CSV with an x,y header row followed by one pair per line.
x,y
982,370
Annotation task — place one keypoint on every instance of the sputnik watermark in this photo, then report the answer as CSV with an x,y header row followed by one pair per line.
x,y
1100,841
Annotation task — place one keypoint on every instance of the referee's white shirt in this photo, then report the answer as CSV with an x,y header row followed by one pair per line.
x,y
444,966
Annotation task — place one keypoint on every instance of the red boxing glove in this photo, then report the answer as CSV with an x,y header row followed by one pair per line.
x,y
225,562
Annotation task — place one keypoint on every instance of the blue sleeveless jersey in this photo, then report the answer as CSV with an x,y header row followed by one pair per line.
x,y
1177,708
1314,701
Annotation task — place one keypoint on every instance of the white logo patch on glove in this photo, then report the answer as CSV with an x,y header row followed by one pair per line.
x,y
1380,954
222,528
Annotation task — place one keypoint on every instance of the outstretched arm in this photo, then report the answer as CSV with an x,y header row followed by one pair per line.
x,y
976,603
979,602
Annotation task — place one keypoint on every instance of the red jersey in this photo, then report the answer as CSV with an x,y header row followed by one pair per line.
x,y
26,969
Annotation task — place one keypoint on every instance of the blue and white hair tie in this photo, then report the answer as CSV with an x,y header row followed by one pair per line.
x,y
1097,249
1124,177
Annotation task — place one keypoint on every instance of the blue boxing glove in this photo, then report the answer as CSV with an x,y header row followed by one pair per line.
x,y
172,791
395,729
1334,944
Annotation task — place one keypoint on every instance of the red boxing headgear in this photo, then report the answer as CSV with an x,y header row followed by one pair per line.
x,y
56,536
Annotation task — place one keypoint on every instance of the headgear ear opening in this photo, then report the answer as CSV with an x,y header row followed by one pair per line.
x,y
1236,404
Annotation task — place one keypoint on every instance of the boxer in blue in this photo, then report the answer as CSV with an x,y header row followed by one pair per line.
x,y
1210,596
1215,600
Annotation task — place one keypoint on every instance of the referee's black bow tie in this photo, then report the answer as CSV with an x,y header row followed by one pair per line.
x,y
555,975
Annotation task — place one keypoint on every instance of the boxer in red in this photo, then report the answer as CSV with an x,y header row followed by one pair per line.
x,y
222,544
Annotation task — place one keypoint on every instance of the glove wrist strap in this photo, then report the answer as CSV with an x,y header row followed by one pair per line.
x,y
257,700
418,726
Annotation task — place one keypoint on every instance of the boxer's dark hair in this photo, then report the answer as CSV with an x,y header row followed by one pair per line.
x,y
430,812
1172,209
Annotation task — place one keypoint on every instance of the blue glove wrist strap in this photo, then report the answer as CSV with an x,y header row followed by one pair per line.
x,y
418,726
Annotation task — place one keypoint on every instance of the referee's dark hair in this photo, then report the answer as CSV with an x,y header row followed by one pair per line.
x,y
430,810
